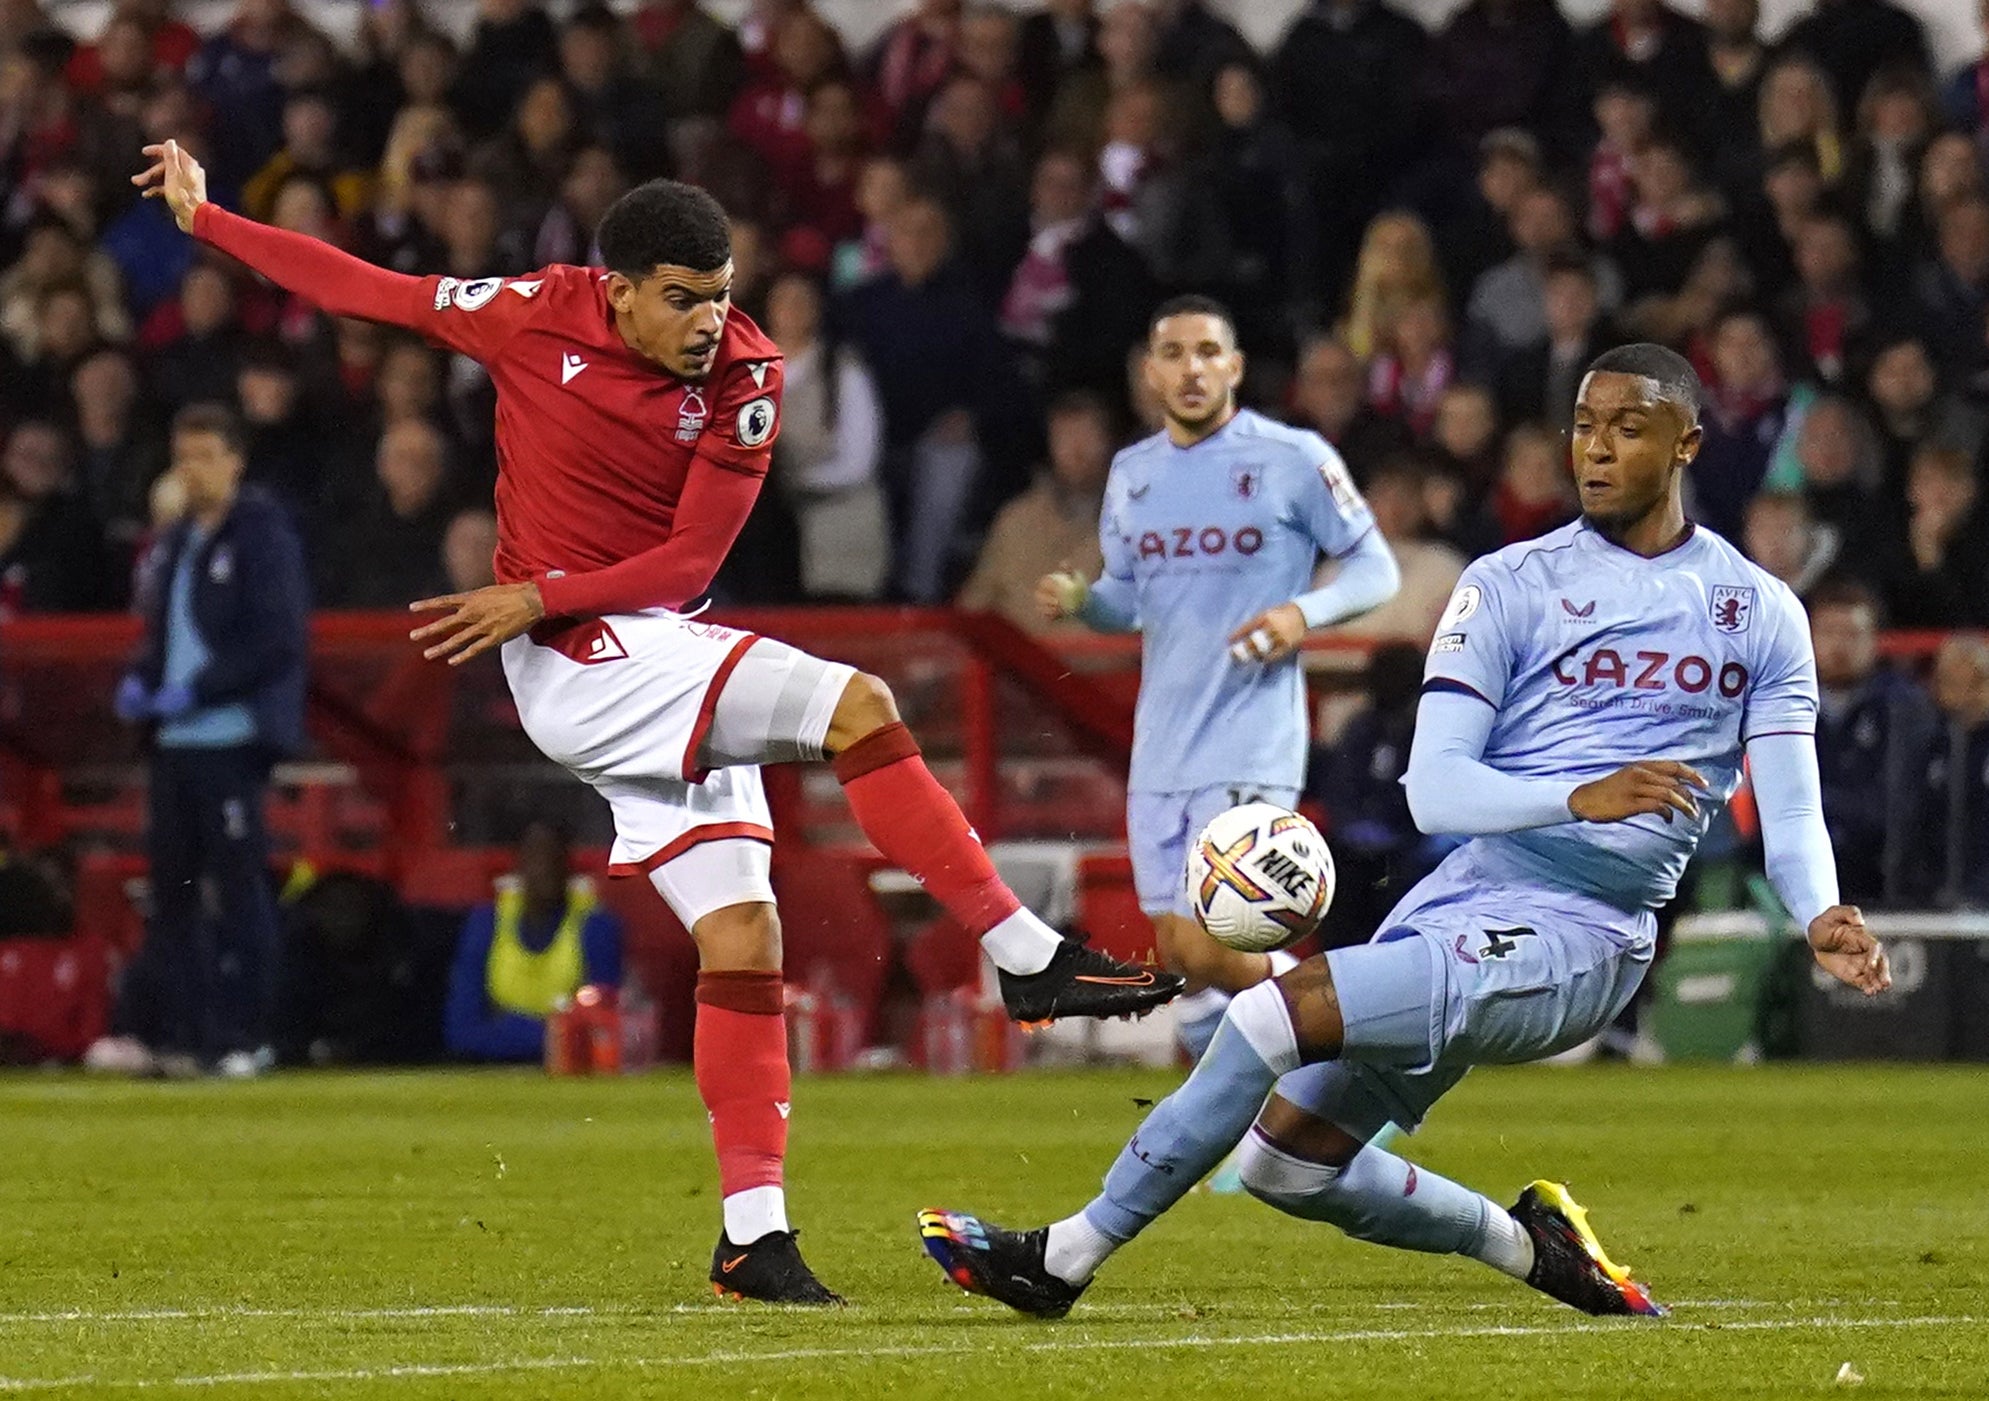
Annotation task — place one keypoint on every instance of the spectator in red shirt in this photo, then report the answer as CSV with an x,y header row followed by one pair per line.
x,y
912,61
1825,313
770,113
819,193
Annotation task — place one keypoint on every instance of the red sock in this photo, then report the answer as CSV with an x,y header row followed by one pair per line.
x,y
739,1056
916,824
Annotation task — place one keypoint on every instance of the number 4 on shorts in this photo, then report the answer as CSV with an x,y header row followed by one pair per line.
x,y
1500,942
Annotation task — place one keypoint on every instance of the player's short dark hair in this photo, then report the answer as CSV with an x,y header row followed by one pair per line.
x,y
664,221
218,419
1677,382
1191,304
1846,591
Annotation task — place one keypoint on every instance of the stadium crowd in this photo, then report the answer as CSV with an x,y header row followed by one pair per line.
x,y
956,237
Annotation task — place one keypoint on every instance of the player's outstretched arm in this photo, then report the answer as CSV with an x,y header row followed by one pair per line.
x,y
1368,578
329,278
1801,866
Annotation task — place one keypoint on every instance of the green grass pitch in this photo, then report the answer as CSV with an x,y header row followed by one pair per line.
x,y
500,1235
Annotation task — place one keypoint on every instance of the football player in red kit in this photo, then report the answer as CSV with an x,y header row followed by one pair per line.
x,y
636,413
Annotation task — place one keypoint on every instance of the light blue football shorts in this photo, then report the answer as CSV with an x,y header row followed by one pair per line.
x,y
1474,967
1159,827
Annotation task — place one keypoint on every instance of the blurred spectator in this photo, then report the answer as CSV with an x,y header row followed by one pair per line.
x,y
1358,780
195,340
524,954
1128,44
1854,39
285,445
1397,266
945,385
1194,42
1672,218
1502,63
403,227
390,553
1328,396
1478,237
1540,381
1626,116
1957,779
1055,42
1649,45
1429,567
820,194
972,166
1738,60
1838,458
1746,411
914,59
46,126
1412,365
1872,737
1952,288
52,255
770,112
882,187
120,454
512,45
525,163
1896,119
1464,435
235,76
1786,193
1507,311
1534,493
593,181
690,58
1939,575
612,107
1051,526
469,550
1268,213
1825,313
310,132
830,450
1345,80
1797,108
1783,538
52,557
1911,409
1079,296
219,685
162,42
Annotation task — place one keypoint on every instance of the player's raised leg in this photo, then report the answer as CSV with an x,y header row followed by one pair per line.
x,y
780,704
739,1058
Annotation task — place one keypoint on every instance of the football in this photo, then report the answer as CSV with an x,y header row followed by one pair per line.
x,y
1259,877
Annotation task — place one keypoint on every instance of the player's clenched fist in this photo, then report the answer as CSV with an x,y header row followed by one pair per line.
x,y
1847,950
477,621
1662,786
1271,636
175,177
1061,594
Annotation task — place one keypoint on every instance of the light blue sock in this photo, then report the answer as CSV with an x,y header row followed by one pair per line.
x,y
1196,1018
1388,1200
1189,1132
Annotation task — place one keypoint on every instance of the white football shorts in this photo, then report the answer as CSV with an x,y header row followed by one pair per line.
x,y
668,718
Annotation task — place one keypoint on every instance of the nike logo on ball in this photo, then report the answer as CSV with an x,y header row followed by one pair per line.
x,y
569,367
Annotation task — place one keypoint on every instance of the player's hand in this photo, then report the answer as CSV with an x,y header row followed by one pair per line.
x,y
175,177
477,621
1847,950
1662,786
1271,636
1061,594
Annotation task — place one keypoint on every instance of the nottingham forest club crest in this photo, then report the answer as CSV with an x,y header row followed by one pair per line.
x,y
691,415
1732,607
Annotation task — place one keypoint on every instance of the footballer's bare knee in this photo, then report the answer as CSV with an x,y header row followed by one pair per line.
x,y
1314,1005
1305,1135
866,706
739,938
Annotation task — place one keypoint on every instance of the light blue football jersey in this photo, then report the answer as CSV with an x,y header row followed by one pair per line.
x,y
1595,657
1205,538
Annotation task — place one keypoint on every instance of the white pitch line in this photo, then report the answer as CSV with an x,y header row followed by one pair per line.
x,y
734,1359
330,1315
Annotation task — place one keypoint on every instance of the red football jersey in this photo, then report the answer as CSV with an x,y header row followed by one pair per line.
x,y
620,486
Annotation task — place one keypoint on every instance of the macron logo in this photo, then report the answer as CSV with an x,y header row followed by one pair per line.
x,y
783,1106
569,367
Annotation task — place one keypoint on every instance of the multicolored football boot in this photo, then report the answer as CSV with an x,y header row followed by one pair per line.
x,y
1569,1263
1007,1266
